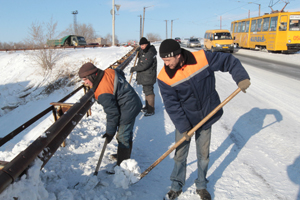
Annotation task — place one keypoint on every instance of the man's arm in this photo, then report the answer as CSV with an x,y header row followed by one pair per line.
x,y
226,62
173,107
145,62
112,111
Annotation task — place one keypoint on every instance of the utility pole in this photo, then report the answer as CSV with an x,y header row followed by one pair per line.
x,y
144,19
113,23
113,20
75,21
172,26
220,22
258,7
141,24
166,29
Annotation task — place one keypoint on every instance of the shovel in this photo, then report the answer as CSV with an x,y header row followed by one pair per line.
x,y
100,158
137,53
190,133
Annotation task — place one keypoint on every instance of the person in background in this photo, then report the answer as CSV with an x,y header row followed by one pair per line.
x,y
120,103
187,85
146,69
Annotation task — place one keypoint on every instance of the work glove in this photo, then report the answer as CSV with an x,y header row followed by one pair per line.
x,y
244,84
132,70
137,49
187,138
108,137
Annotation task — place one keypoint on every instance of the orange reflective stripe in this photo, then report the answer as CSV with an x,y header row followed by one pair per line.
x,y
187,71
106,84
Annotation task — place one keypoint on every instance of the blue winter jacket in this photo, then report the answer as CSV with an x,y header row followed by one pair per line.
x,y
119,100
189,93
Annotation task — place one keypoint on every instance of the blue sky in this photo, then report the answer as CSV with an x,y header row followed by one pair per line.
x,y
190,17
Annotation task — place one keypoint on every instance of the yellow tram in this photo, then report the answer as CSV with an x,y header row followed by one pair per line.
x,y
278,31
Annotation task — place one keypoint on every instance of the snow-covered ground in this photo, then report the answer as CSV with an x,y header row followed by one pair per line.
x,y
254,147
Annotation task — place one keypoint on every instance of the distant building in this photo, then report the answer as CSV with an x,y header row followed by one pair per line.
x,y
100,41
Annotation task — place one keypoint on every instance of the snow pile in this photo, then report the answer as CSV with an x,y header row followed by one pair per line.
x,y
126,174
30,186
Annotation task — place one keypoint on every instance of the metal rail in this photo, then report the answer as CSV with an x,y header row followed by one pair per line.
x,y
46,145
63,47
18,130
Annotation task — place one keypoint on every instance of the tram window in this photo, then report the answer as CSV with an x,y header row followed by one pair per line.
x,y
266,24
239,27
235,27
295,25
273,24
253,25
258,29
247,26
243,27
282,26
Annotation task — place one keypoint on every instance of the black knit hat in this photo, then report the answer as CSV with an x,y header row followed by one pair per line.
x,y
87,69
169,48
143,40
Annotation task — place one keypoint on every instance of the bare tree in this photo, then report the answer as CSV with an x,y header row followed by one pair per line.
x,y
108,39
46,58
153,37
37,37
12,45
51,32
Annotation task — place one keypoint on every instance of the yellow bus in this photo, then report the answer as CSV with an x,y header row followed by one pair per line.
x,y
275,32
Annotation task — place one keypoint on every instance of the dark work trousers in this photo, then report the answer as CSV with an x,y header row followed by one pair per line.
x,y
148,89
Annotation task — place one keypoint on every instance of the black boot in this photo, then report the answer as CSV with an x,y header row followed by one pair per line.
x,y
123,154
150,110
114,157
144,109
204,194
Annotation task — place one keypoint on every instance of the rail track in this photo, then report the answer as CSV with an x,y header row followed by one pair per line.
x,y
64,47
48,142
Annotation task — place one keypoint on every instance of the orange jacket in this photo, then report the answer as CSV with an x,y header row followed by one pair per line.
x,y
119,100
190,95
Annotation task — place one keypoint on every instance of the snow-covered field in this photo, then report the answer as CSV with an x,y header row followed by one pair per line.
x,y
254,148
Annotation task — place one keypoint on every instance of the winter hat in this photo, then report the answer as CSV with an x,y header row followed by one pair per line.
x,y
169,48
87,69
143,40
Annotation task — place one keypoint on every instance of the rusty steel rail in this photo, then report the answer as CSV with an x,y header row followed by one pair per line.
x,y
18,130
21,162
63,47
46,145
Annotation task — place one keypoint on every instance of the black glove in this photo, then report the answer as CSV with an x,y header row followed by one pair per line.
x,y
108,137
138,49
132,70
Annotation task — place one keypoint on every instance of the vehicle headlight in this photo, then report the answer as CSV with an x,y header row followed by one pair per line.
x,y
217,45
289,41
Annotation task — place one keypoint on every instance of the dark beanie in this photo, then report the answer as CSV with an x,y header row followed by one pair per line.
x,y
169,48
143,40
87,69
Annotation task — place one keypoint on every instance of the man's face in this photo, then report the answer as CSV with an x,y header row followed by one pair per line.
x,y
87,82
143,46
172,62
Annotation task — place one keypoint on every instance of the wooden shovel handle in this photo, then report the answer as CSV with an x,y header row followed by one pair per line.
x,y
137,53
191,132
100,158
